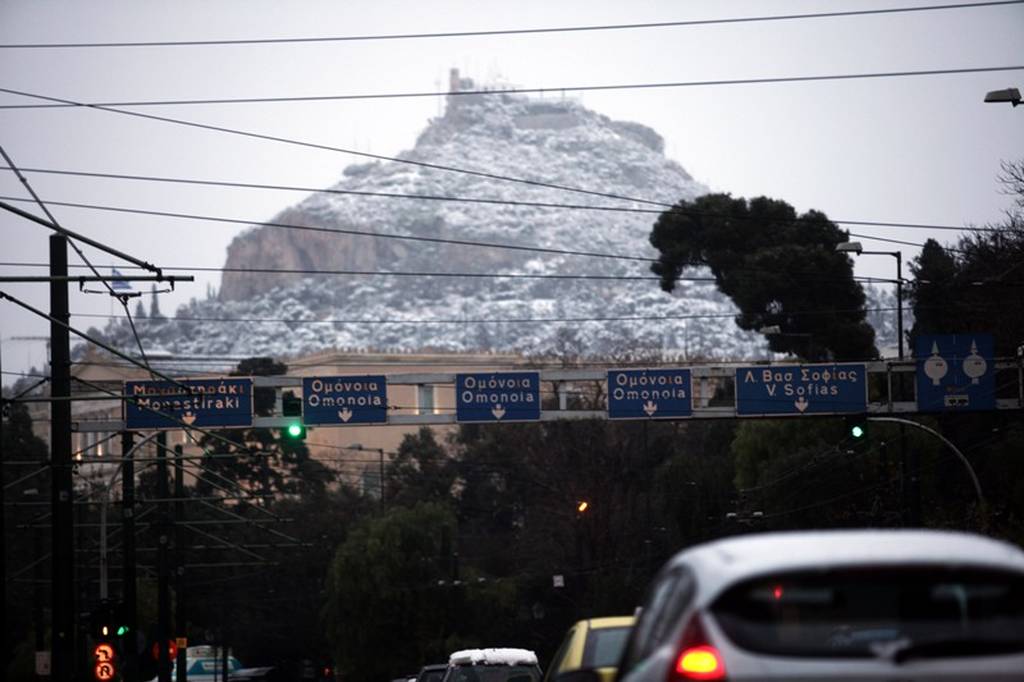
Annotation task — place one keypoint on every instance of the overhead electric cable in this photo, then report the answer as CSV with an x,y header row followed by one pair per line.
x,y
807,276
516,31
668,208
361,233
466,320
81,254
457,242
551,90
341,150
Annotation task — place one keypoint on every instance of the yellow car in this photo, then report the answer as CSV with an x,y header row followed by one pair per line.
x,y
594,644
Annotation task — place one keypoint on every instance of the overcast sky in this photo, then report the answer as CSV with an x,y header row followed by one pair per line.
x,y
915,150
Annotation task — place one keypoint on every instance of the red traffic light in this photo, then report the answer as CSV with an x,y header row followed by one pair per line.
x,y
172,649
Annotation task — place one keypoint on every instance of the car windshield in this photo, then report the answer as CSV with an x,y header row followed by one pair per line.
x,y
432,675
494,673
604,646
869,612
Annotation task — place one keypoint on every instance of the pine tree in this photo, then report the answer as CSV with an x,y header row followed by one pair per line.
x,y
154,306
780,269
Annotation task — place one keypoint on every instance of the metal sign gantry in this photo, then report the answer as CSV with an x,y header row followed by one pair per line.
x,y
715,391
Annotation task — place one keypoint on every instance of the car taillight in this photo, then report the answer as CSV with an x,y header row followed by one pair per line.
x,y
697,659
700,663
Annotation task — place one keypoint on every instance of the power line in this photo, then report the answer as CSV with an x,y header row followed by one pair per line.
x,y
808,276
380,235
522,91
323,147
360,233
527,320
667,207
514,31
78,250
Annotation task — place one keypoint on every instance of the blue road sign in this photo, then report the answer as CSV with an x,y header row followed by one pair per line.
x,y
497,397
219,403
955,372
801,389
649,394
345,400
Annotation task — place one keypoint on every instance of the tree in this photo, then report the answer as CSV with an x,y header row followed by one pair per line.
x,y
154,305
933,291
976,285
26,479
261,461
382,589
421,471
777,267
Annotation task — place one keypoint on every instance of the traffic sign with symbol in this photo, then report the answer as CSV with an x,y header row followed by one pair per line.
x,y
955,372
219,403
801,389
497,397
649,394
345,400
104,670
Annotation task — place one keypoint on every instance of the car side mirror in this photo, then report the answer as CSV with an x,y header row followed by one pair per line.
x,y
581,675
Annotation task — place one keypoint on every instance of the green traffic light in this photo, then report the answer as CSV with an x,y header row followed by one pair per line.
x,y
295,430
122,630
857,431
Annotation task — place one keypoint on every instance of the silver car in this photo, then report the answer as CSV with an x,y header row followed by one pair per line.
x,y
852,605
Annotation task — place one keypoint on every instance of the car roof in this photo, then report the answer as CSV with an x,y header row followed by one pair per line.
x,y
723,562
610,622
502,656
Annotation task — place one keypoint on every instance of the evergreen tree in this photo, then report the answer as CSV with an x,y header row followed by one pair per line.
x,y
780,269
933,291
154,306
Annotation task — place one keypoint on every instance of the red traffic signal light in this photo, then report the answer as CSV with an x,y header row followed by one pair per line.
x,y
105,668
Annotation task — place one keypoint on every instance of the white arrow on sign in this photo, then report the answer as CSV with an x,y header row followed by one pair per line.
x,y
345,414
498,411
188,418
801,404
650,407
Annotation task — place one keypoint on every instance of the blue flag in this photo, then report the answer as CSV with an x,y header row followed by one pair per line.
x,y
119,284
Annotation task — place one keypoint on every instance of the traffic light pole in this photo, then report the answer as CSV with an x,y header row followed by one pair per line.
x,y
129,595
3,532
163,619
179,561
62,553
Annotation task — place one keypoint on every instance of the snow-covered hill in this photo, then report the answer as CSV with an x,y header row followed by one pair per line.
x,y
547,140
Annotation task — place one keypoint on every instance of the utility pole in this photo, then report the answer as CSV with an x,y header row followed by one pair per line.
x,y
163,618
62,494
3,527
129,596
179,562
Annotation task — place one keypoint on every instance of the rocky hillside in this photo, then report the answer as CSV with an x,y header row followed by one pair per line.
x,y
554,141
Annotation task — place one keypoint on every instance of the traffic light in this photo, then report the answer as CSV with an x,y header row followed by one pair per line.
x,y
120,620
291,406
857,429
102,622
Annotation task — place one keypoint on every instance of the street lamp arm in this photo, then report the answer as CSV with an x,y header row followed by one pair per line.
x,y
949,444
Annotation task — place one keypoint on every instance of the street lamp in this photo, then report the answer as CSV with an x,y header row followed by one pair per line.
x,y
857,248
380,453
1011,95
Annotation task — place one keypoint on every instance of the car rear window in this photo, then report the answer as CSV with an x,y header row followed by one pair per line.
x,y
604,647
864,612
495,673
